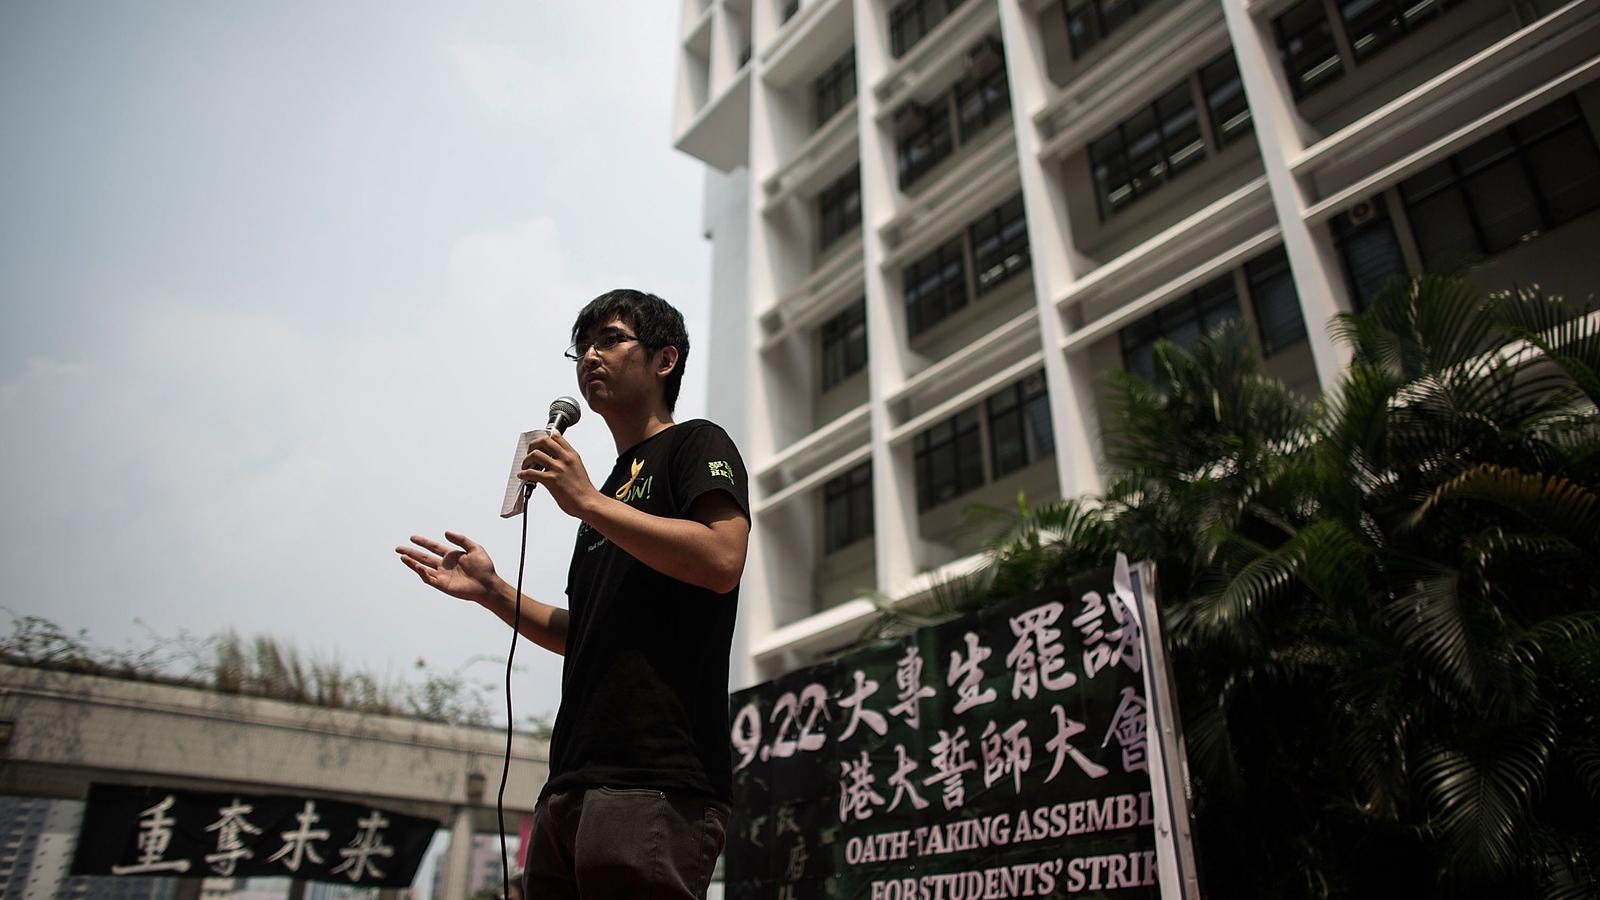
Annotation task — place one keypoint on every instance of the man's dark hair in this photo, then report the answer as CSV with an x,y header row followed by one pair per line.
x,y
653,320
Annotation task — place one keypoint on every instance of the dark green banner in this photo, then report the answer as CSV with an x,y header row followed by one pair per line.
x,y
999,755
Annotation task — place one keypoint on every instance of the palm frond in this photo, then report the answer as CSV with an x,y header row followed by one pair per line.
x,y
1479,797
1379,722
1210,745
1565,867
1559,631
1566,333
1431,324
1584,760
1448,635
1549,501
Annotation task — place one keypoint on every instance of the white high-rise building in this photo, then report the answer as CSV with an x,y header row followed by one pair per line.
x,y
937,223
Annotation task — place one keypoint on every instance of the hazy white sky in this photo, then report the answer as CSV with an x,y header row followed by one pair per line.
x,y
282,282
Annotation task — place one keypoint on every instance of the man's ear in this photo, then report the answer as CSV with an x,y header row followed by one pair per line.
x,y
666,360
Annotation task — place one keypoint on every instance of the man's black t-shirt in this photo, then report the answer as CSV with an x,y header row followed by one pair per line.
x,y
644,685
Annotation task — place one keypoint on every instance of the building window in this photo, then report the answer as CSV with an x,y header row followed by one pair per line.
x,y
1373,25
839,208
936,284
847,508
1305,42
1364,236
924,136
1225,101
1019,425
924,139
935,287
999,244
1277,304
835,87
790,7
949,459
1146,151
844,344
1540,172
1091,21
1182,322
981,99
744,56
911,20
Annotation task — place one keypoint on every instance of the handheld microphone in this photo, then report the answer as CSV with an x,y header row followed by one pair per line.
x,y
564,413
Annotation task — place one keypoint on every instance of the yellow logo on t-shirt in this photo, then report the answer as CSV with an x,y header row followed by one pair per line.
x,y
622,492
720,468
636,487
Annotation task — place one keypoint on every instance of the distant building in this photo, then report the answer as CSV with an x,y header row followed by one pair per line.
x,y
936,224
37,838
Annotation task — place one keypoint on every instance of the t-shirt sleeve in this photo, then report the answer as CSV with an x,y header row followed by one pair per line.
x,y
707,460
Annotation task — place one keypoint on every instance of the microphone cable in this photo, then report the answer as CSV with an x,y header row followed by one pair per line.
x,y
505,768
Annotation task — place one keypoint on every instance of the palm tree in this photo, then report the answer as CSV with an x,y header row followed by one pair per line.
x,y
1383,608
1392,640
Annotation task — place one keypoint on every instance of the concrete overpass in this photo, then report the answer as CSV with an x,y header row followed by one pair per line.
x,y
60,731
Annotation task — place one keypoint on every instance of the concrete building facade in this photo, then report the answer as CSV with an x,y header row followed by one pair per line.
x,y
937,224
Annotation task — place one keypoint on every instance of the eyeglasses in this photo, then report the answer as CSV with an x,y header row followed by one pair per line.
x,y
603,343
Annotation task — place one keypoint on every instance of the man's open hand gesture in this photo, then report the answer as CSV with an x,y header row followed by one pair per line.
x,y
467,572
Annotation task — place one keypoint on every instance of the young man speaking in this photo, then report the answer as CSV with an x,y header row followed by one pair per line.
x,y
636,805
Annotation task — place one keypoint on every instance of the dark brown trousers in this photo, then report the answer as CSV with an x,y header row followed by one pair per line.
x,y
605,843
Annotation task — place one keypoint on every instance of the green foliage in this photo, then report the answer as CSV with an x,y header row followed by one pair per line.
x,y
263,667
1382,607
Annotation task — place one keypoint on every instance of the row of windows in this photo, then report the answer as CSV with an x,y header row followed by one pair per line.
x,y
984,95
936,284
923,132
1182,322
949,459
949,456
1538,173
1091,21
1276,302
1216,303
838,208
922,139
1148,149
1019,426
999,244
911,20
844,344
835,87
1310,51
847,508
1305,36
1151,147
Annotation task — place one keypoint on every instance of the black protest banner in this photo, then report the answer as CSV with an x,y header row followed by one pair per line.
x,y
130,830
999,755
